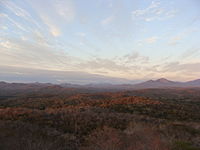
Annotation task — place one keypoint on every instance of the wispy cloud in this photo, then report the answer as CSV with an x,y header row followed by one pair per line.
x,y
63,13
65,9
21,74
182,67
153,12
190,53
103,64
108,20
131,64
19,53
28,54
80,34
152,39
135,57
180,36
20,13
48,34
13,22
53,29
175,40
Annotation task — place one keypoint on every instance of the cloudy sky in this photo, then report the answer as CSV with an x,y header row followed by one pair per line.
x,y
131,39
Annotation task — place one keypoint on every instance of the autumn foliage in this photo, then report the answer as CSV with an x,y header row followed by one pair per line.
x,y
130,120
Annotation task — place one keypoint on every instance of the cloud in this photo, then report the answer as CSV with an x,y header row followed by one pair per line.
x,y
152,39
33,38
8,44
135,57
108,20
53,29
103,64
130,65
181,71
150,8
17,52
180,36
182,67
18,11
132,56
175,40
42,55
171,13
14,23
56,15
38,37
153,12
81,34
21,74
172,70
190,53
3,27
25,54
65,9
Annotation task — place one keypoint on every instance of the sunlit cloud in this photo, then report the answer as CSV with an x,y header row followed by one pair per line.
x,y
175,40
53,29
152,39
153,12
127,39
15,52
62,14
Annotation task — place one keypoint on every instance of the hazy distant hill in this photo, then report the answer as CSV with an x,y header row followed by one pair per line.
x,y
164,83
157,83
160,83
23,86
193,83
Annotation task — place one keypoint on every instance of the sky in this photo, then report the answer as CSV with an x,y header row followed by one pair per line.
x,y
127,39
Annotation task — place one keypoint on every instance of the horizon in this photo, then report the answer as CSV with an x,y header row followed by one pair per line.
x,y
98,83
83,42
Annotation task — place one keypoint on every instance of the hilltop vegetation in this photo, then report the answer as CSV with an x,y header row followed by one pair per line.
x,y
59,118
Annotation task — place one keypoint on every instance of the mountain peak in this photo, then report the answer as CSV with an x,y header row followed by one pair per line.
x,y
163,80
193,82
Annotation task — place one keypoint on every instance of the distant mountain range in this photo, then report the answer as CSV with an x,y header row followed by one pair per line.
x,y
160,83
164,83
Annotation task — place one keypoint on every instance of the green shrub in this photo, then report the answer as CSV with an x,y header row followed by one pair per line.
x,y
181,145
